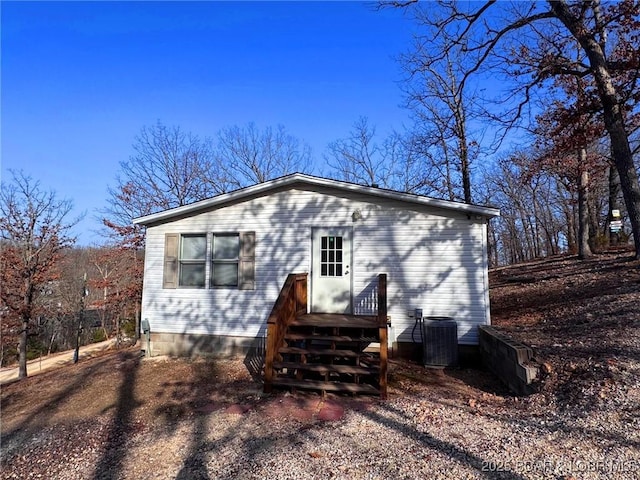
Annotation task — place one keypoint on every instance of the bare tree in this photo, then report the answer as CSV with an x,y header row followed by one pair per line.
x,y
411,172
247,155
358,158
534,41
34,232
532,206
441,106
170,168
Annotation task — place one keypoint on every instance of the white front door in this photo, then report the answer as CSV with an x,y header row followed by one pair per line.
x,y
331,270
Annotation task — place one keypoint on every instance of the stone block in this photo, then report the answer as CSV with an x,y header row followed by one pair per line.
x,y
508,360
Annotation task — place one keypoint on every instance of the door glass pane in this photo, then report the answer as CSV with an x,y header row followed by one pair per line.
x,y
331,256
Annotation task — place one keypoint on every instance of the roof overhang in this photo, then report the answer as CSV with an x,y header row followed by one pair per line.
x,y
309,180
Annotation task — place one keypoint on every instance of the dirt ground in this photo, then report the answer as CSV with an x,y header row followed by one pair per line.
x,y
87,413
582,318
161,391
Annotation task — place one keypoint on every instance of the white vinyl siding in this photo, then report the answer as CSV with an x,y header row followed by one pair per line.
x,y
435,259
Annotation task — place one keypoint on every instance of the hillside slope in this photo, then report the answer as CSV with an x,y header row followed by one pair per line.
x,y
583,320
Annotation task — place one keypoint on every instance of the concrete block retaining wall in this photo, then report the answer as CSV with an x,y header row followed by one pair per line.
x,y
511,361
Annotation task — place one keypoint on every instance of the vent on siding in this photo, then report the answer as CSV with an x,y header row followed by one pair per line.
x,y
439,341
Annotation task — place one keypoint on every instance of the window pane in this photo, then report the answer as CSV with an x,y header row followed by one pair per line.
x,y
338,270
324,243
194,247
339,243
323,270
225,274
192,275
226,246
331,270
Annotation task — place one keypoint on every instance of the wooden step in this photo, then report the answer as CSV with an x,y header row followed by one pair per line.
x,y
328,338
315,336
368,360
319,351
335,320
322,368
363,388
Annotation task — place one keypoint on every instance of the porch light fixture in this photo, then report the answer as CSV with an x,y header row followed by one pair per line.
x,y
356,215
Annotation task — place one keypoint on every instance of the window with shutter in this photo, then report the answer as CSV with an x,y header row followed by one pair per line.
x,y
231,263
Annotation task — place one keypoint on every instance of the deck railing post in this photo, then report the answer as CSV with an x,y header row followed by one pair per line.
x,y
301,293
382,299
383,333
268,359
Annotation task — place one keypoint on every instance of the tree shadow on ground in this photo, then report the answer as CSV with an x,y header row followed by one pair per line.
x,y
63,398
122,427
384,416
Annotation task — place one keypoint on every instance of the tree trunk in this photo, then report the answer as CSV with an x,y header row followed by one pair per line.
x,y
53,337
584,251
27,302
628,180
614,194
463,150
22,350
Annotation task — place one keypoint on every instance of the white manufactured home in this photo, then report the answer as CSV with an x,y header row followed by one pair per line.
x,y
215,268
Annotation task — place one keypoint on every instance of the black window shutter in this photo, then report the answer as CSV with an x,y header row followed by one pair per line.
x,y
170,274
247,270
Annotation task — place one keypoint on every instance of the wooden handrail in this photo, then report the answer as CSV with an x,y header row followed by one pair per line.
x,y
291,302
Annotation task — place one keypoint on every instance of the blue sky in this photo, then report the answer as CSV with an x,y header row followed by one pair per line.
x,y
79,80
